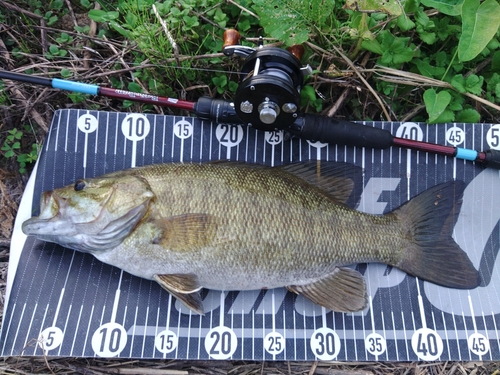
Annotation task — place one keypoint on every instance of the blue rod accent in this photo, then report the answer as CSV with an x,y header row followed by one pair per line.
x,y
84,88
464,153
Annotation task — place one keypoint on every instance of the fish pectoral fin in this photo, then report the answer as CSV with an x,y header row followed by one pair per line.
x,y
343,290
187,231
184,287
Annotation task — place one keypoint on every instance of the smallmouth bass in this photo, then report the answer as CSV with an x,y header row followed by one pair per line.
x,y
231,226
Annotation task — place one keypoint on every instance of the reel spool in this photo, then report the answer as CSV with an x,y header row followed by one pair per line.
x,y
268,97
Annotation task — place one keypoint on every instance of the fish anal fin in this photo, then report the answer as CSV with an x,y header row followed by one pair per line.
x,y
343,290
334,178
187,231
184,287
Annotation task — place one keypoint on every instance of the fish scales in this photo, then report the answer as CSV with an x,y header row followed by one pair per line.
x,y
272,226
230,226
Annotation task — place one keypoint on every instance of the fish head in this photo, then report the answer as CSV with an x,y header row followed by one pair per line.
x,y
91,215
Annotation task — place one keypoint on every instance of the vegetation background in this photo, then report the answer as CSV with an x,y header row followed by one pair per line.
x,y
421,60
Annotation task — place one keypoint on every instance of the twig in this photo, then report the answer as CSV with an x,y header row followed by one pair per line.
x,y
17,9
313,368
92,31
71,13
243,9
169,35
358,73
335,107
413,79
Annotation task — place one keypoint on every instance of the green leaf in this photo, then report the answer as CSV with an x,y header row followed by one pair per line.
x,y
372,46
445,117
428,38
469,116
405,23
291,21
458,82
99,15
395,49
85,3
436,103
65,73
220,83
474,84
56,4
392,7
480,22
53,49
134,87
449,7
426,69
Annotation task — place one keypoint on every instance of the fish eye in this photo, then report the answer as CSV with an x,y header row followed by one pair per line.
x,y
79,185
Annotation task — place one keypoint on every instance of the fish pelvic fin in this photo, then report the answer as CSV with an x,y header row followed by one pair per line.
x,y
187,232
343,290
432,254
184,287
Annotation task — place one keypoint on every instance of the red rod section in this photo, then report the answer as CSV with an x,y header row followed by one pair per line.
x,y
146,98
424,146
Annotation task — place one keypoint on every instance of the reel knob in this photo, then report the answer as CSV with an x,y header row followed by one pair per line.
x,y
231,37
268,112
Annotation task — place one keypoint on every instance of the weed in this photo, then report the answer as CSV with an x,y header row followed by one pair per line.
x,y
12,150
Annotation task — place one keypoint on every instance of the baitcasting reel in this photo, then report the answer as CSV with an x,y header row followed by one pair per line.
x,y
268,96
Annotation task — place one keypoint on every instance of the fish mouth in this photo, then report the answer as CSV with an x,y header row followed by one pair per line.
x,y
53,221
104,232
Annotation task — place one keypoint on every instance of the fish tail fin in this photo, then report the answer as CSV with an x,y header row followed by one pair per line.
x,y
432,254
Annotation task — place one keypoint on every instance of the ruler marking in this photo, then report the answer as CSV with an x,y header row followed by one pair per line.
x,y
76,331
446,333
64,330
134,326
40,329
88,330
355,343
29,327
19,325
404,332
144,332
189,333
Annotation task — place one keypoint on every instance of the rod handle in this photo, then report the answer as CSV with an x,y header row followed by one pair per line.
x,y
329,130
492,159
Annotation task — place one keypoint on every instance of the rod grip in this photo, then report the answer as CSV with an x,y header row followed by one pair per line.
x,y
492,159
329,130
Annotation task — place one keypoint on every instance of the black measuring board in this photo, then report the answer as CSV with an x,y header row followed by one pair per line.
x,y
65,303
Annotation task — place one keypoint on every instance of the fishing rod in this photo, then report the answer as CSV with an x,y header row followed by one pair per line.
x,y
268,98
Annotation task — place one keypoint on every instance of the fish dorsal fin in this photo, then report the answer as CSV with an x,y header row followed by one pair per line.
x,y
186,232
343,290
184,287
334,178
